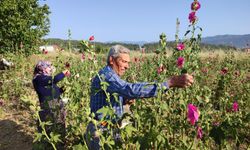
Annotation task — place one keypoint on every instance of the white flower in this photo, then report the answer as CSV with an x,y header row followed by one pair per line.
x,y
65,100
77,75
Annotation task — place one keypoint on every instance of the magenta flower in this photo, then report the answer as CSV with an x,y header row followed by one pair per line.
x,y
180,62
193,114
92,38
199,132
235,106
195,6
180,46
192,18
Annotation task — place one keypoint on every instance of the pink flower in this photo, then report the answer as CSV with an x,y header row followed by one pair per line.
x,y
193,114
237,73
83,57
195,6
204,70
136,60
143,50
160,69
199,132
45,51
235,106
92,38
180,62
180,46
224,71
192,18
1,102
216,123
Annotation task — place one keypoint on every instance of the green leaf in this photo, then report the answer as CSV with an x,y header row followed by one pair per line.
x,y
187,32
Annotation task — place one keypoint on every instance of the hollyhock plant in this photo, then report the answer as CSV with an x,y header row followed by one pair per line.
x,y
192,18
195,6
235,106
199,132
180,62
193,114
92,38
180,46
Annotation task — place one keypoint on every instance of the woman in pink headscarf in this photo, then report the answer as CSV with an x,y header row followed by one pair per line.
x,y
52,107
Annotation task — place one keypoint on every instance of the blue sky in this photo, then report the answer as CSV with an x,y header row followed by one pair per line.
x,y
143,20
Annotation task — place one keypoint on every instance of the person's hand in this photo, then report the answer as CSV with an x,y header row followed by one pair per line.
x,y
130,102
66,73
181,81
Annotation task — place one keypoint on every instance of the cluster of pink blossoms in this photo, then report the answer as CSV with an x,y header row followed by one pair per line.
x,y
194,7
193,116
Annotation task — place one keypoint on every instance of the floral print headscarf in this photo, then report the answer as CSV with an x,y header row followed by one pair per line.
x,y
40,68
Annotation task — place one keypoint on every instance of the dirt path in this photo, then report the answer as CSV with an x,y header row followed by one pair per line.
x,y
16,131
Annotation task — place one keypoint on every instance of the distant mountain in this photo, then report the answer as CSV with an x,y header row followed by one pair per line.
x,y
129,42
239,41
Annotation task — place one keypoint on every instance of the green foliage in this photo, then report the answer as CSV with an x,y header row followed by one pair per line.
x,y
159,122
22,24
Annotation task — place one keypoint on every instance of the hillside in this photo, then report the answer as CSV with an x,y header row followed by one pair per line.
x,y
239,41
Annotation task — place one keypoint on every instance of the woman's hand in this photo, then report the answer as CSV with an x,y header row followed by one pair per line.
x,y
66,73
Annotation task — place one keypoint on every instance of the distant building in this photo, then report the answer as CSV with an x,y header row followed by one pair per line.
x,y
247,50
49,48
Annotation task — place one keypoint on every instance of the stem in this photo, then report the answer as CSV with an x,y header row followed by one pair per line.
x,y
45,133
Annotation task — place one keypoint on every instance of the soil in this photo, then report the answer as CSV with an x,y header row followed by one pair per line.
x,y
16,130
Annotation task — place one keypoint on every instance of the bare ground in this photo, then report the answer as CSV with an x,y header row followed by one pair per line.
x,y
16,130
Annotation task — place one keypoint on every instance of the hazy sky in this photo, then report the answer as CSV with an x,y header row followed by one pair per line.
x,y
143,20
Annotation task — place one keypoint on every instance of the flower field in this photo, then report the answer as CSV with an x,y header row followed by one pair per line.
x,y
213,113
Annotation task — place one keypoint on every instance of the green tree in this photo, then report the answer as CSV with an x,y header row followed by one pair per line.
x,y
22,25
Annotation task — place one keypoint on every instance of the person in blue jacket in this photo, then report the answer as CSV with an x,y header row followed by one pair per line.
x,y
117,64
52,107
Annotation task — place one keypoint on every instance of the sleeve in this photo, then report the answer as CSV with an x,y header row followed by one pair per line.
x,y
47,80
134,90
58,77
